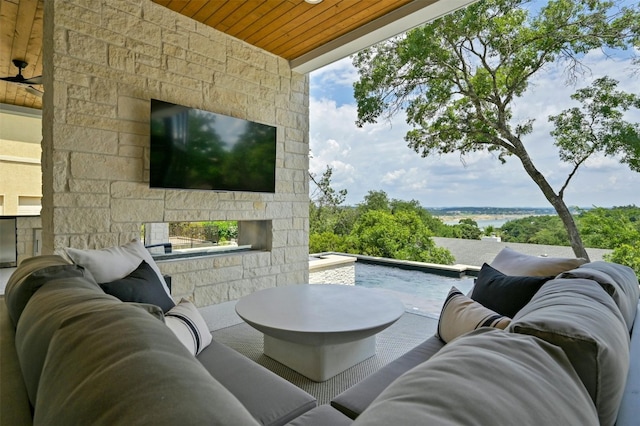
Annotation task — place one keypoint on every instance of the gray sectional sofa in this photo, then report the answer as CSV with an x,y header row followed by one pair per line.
x,y
568,356
72,354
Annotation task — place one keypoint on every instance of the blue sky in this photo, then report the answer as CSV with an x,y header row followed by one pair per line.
x,y
376,156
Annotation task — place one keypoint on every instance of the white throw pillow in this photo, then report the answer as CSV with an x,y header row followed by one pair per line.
x,y
114,263
190,328
460,314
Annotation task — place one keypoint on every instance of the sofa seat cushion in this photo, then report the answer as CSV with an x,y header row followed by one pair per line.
x,y
487,377
269,398
122,366
617,280
357,398
511,262
56,301
30,276
578,316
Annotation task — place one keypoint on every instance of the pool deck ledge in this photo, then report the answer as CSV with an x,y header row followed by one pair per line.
x,y
320,261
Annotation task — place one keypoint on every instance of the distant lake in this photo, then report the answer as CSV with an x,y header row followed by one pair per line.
x,y
496,222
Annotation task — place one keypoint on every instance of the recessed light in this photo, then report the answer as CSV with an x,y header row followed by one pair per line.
x,y
313,1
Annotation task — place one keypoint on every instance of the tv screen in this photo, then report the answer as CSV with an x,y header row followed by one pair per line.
x,y
196,149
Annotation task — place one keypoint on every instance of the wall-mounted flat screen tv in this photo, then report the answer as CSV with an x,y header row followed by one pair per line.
x,y
196,149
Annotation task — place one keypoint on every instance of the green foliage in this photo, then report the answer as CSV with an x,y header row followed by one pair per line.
x,y
626,254
328,241
397,236
611,228
227,230
377,227
535,230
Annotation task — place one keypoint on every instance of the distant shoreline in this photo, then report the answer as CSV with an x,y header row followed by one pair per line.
x,y
496,220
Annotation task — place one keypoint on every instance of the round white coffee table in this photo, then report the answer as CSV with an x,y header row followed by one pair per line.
x,y
319,330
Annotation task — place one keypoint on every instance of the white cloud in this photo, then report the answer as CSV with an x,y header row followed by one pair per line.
x,y
376,157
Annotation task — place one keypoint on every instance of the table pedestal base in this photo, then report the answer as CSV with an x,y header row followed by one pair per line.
x,y
319,363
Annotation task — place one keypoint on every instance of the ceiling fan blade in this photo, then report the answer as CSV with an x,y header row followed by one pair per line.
x,y
33,80
35,91
14,79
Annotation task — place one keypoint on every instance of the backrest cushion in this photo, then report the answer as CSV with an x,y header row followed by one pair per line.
x,y
486,377
56,301
578,316
22,283
511,262
460,315
141,285
122,366
617,280
502,293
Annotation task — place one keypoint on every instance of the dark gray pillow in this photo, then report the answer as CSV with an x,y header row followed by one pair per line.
x,y
502,293
142,286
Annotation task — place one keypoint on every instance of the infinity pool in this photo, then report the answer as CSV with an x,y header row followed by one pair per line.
x,y
421,292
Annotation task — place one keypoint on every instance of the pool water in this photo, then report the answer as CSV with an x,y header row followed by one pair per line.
x,y
421,292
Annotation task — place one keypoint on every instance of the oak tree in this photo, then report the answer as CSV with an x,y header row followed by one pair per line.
x,y
457,79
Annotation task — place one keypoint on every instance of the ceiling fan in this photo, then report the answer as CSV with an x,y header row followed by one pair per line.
x,y
20,79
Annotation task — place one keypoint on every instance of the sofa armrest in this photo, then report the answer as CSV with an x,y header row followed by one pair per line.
x,y
357,398
629,411
14,401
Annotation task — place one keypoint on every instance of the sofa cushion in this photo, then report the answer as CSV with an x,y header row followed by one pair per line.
x,y
122,366
116,262
190,328
489,377
56,301
141,285
502,293
358,397
510,262
460,314
15,409
617,280
22,283
270,399
578,316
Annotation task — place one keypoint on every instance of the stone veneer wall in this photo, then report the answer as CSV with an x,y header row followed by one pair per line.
x,y
25,236
103,62
332,269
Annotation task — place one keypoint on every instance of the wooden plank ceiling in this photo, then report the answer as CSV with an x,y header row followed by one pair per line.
x,y
287,28
20,38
